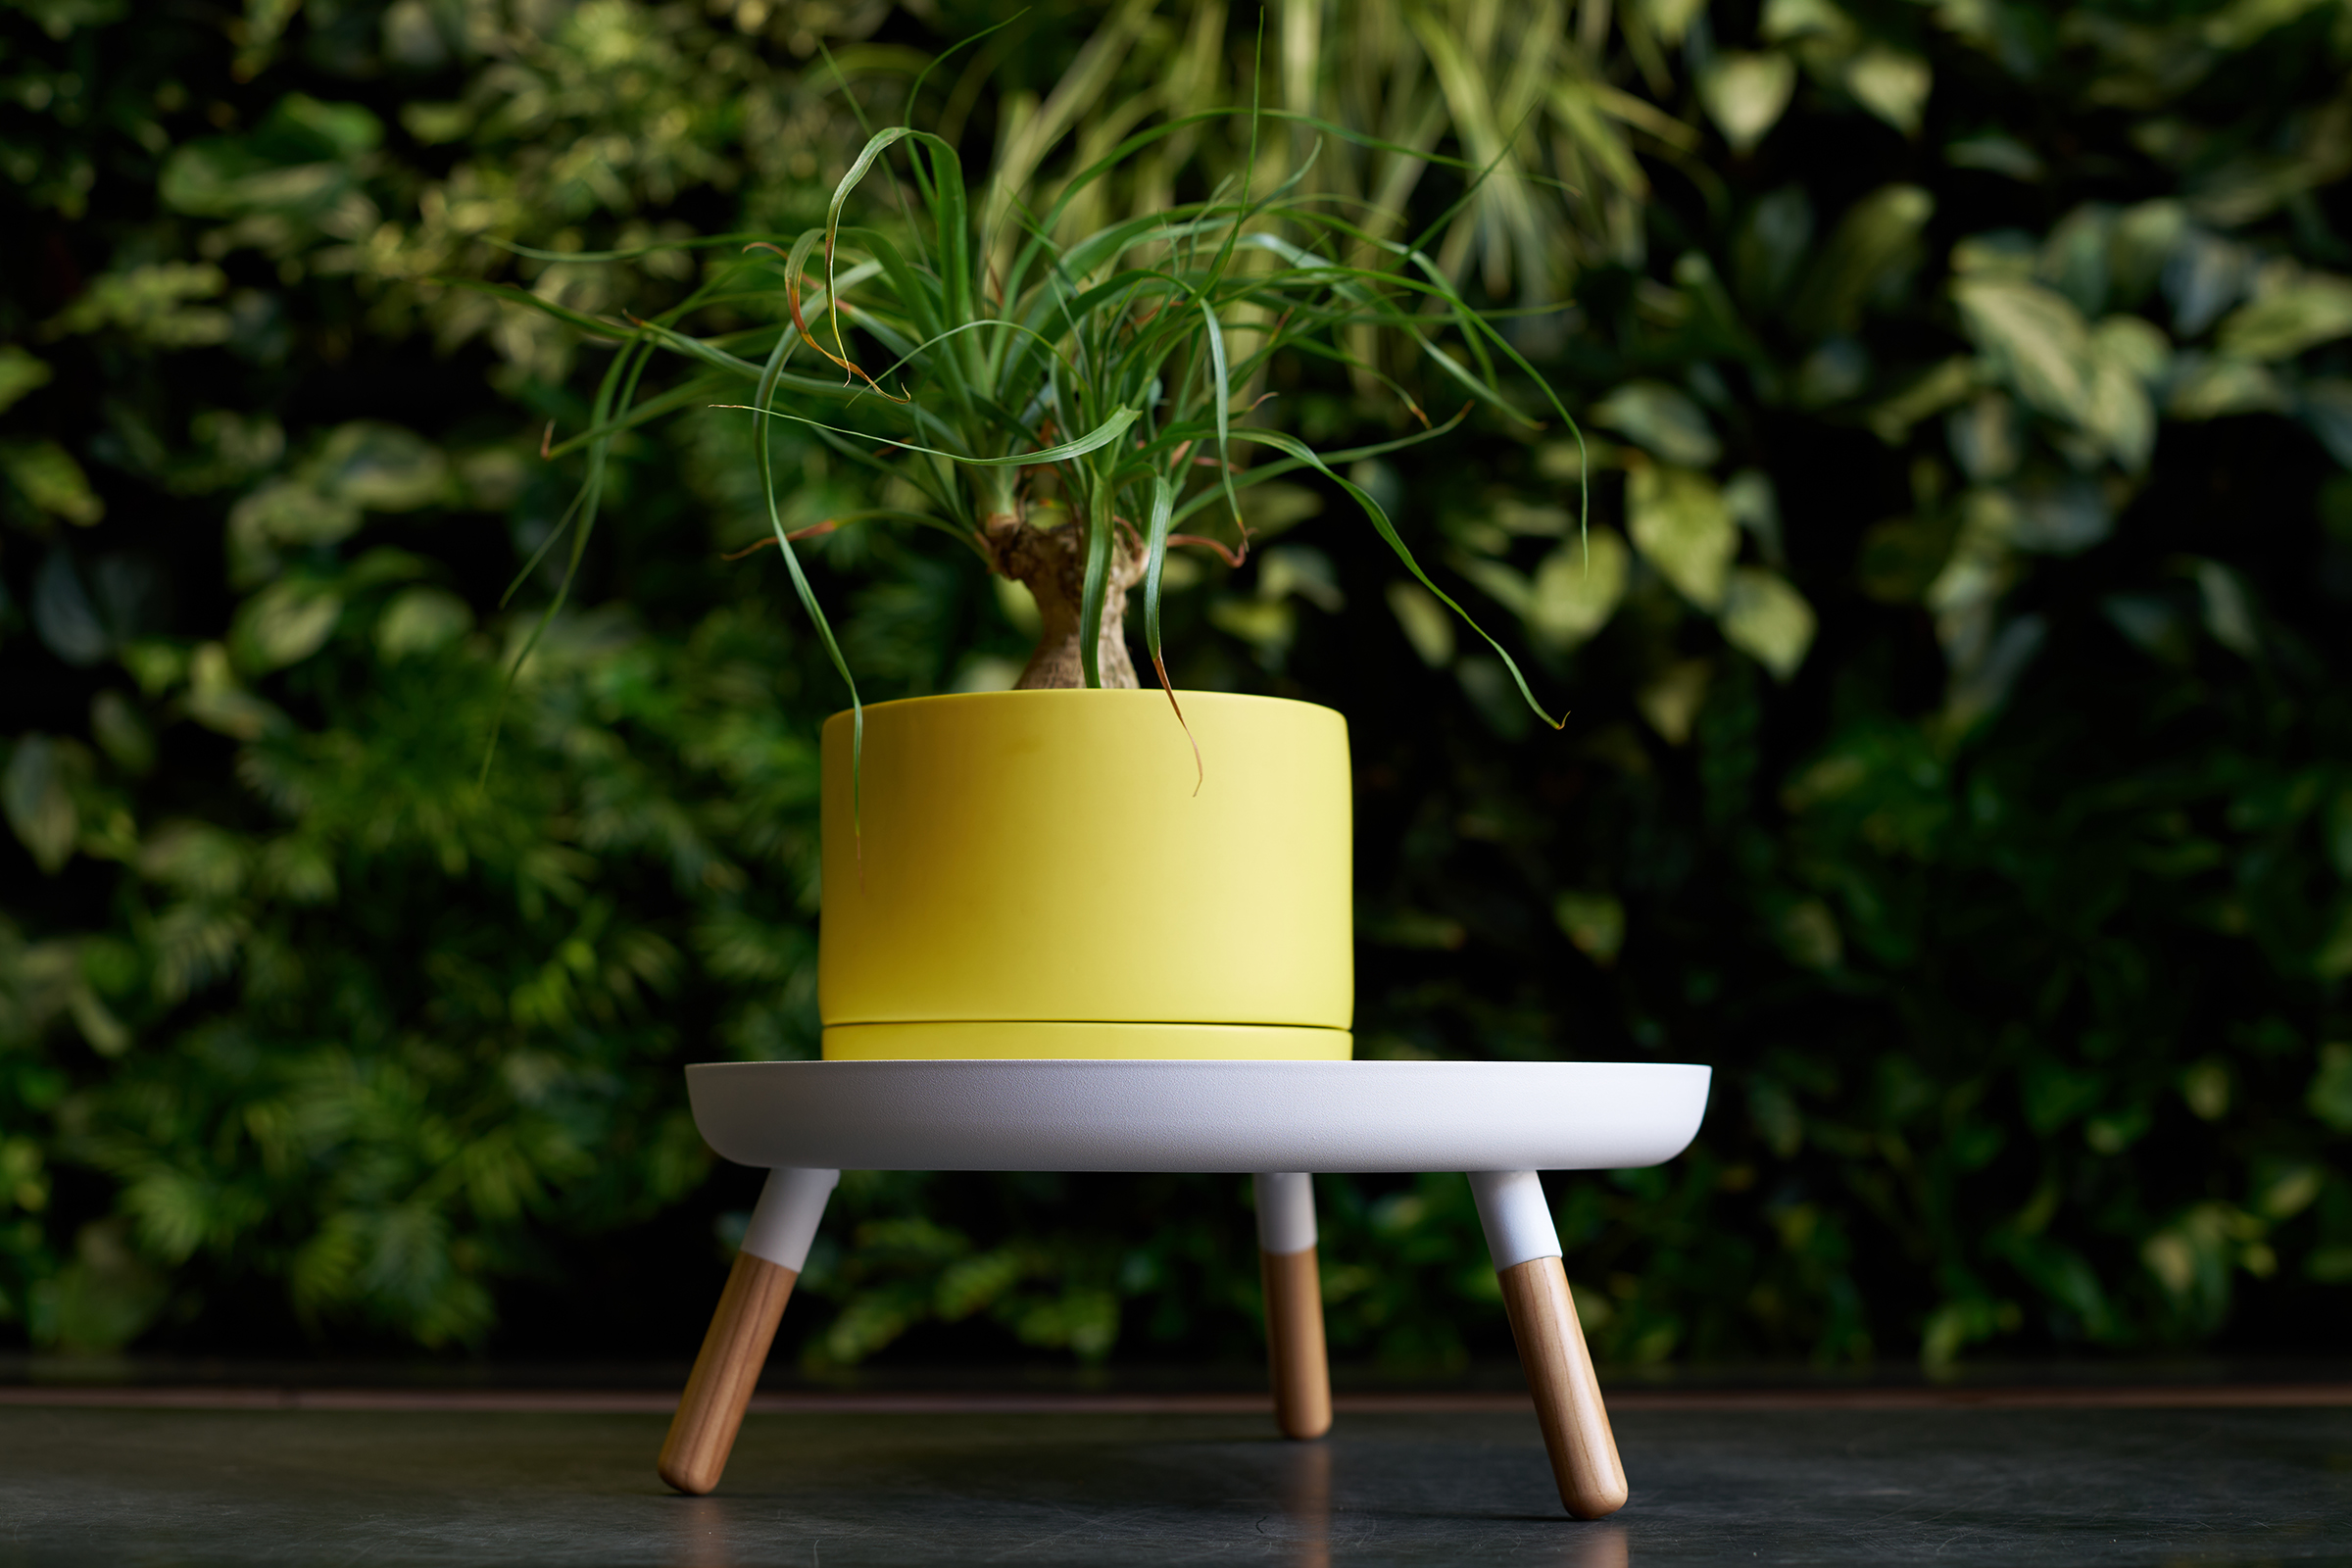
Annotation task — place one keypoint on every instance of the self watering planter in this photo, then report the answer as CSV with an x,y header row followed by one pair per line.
x,y
1055,937
1051,873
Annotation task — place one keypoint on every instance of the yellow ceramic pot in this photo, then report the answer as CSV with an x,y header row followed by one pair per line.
x,y
1044,874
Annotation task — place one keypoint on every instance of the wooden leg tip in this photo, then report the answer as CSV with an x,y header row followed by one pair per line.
x,y
1303,1428
1598,1504
693,1483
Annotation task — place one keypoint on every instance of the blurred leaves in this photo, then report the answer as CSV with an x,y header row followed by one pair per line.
x,y
46,477
1665,421
1768,621
2287,317
150,306
1746,94
40,808
20,374
1680,524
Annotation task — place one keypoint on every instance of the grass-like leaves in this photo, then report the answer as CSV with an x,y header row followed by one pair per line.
x,y
1111,366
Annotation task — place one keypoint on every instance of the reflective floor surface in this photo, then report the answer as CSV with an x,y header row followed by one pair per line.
x,y
833,1490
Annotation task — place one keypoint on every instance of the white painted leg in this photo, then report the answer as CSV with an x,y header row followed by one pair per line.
x,y
1525,1249
774,1246
1286,1256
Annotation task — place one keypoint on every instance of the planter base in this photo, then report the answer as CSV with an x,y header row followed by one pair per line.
x,y
1085,1042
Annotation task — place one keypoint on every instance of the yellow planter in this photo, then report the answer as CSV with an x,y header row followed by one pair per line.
x,y
1037,876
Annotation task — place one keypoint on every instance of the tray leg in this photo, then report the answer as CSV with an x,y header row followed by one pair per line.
x,y
774,1246
1551,1342
1286,1257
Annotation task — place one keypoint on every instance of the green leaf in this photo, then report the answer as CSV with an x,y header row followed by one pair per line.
x,y
380,468
1878,234
1820,20
290,511
1670,700
1156,554
150,304
1101,541
2213,387
1386,530
2059,518
1671,18
1808,934
302,124
2134,344
1155,548
123,732
2242,22
217,703
45,474
1681,526
1500,584
2120,412
1892,83
2333,961
2034,336
40,808
421,619
1766,619
19,373
436,124
1929,393
2282,321
1996,152
1576,590
68,622
106,1296
1593,922
293,170
283,625
1424,622
61,18
1665,421
283,511
1746,94
2329,1097
1100,436
805,592
1221,400
2327,409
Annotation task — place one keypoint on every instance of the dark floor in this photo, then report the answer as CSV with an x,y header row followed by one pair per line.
x,y
827,1490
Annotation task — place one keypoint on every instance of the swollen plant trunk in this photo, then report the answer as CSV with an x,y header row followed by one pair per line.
x,y
1051,562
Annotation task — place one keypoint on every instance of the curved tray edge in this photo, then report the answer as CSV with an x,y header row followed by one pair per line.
x,y
1198,1117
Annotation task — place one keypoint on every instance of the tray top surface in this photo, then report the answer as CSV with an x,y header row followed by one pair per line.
x,y
1199,1115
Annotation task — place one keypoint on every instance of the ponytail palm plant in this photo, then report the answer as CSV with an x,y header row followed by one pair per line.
x,y
1065,404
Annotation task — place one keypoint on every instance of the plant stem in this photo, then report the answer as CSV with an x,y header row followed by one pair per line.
x,y
1051,562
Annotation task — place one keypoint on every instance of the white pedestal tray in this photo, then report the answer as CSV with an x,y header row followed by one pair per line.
x,y
1240,1116
1497,1122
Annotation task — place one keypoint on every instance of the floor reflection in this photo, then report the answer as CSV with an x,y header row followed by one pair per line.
x,y
699,1533
1306,1500
1305,1527
1598,1547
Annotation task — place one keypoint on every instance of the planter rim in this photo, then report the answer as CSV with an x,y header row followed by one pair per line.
x,y
1091,692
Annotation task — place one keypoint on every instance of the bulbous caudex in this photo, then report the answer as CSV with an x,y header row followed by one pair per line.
x,y
1051,562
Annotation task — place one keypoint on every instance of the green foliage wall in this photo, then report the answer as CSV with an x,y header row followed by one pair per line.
x,y
1959,757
